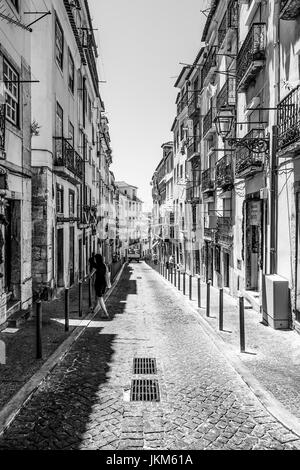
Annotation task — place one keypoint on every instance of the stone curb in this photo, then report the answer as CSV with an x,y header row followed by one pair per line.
x,y
269,402
16,403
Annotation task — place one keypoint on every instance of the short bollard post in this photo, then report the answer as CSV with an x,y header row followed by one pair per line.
x,y
207,298
39,352
190,286
199,291
171,275
242,324
67,298
221,309
80,297
90,291
175,278
168,270
179,276
183,287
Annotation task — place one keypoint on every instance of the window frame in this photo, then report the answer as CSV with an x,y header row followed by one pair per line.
x,y
71,197
59,204
8,91
59,60
71,80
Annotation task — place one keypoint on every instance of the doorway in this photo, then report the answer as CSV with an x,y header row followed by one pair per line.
x,y
72,256
226,260
60,257
253,244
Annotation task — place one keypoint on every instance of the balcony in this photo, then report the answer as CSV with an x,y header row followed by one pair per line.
x,y
228,24
248,162
251,56
288,118
2,130
289,9
192,192
183,102
209,67
208,125
67,162
208,180
224,231
193,104
226,97
193,148
224,174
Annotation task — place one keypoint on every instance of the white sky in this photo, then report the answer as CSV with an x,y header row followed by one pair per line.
x,y
141,43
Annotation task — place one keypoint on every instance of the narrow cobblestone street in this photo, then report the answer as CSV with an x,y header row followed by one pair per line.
x,y
204,404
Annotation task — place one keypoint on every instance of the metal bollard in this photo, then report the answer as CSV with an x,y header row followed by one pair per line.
x,y
199,291
207,298
221,309
171,275
67,303
168,276
183,283
90,291
190,286
39,352
80,297
242,324
179,276
175,277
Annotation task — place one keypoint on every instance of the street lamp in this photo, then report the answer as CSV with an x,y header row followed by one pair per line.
x,y
224,122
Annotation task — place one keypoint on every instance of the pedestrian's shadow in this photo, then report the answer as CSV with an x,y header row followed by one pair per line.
x,y
75,401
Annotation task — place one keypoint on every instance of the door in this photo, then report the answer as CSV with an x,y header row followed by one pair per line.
x,y
60,257
72,256
7,247
253,243
226,269
209,262
80,259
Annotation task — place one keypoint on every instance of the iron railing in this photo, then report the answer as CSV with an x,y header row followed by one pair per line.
x,y
229,21
182,103
211,61
66,156
208,180
193,146
288,119
246,161
2,127
226,97
224,225
253,49
207,122
224,173
289,9
193,104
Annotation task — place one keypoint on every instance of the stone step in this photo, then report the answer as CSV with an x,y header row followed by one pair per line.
x,y
17,317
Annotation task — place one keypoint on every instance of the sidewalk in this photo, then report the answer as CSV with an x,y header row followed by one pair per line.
x,y
20,343
272,356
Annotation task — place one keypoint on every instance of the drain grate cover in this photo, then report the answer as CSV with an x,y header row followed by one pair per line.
x,y
144,390
144,365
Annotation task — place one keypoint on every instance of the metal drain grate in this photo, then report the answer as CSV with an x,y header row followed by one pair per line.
x,y
144,365
144,390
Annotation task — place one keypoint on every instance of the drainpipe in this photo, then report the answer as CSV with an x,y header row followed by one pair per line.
x,y
273,155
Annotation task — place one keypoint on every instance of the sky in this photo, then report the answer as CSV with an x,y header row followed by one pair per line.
x,y
141,44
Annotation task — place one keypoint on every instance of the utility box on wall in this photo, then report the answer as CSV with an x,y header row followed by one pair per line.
x,y
275,301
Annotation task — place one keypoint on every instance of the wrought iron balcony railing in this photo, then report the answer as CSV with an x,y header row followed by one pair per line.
x,y
183,102
289,9
210,63
248,162
208,122
192,191
2,127
193,147
224,230
288,119
66,156
193,103
224,173
251,56
208,180
227,97
229,21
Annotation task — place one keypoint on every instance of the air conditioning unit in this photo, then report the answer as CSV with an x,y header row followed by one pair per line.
x,y
275,301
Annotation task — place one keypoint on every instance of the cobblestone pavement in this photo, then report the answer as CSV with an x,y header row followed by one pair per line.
x,y
204,403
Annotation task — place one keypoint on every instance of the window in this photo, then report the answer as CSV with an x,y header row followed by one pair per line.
x,y
11,83
71,73
59,199
71,203
59,44
59,121
71,134
89,109
15,4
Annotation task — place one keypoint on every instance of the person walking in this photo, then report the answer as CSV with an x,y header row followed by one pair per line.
x,y
102,282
